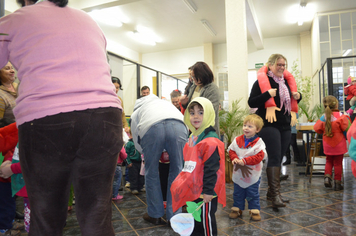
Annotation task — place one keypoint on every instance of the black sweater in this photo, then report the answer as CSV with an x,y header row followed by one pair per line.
x,y
258,99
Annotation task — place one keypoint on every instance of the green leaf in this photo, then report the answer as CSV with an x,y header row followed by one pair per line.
x,y
3,34
231,121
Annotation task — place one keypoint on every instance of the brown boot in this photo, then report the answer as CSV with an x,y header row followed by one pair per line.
x,y
235,212
269,196
337,185
327,181
273,184
255,215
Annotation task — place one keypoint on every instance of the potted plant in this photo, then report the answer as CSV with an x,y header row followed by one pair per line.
x,y
305,87
231,123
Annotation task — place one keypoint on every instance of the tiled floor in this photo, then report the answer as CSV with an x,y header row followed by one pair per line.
x,y
313,210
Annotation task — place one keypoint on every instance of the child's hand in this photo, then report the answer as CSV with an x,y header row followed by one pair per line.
x,y
207,198
129,165
240,162
234,161
5,170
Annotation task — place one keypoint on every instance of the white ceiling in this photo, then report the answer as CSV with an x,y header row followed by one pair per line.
x,y
180,28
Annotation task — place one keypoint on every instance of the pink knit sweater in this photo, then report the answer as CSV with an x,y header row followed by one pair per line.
x,y
60,56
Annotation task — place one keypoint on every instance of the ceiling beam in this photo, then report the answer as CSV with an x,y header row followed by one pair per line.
x,y
253,26
89,5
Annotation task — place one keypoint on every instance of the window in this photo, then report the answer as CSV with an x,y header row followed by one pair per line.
x,y
337,75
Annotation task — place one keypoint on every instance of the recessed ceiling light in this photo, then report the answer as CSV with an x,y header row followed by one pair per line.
x,y
110,16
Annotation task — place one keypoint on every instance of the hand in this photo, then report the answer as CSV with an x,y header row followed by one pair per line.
x,y
184,100
293,119
296,95
234,161
271,114
245,170
5,170
240,162
272,92
129,165
207,198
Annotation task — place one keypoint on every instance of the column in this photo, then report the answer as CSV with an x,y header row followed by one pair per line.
x,y
236,43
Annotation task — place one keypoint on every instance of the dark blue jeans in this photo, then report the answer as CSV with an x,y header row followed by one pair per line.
x,y
251,194
7,206
79,148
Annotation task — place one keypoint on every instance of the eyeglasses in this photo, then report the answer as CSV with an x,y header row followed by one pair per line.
x,y
282,65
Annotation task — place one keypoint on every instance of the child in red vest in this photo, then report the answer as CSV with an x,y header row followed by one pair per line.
x,y
203,175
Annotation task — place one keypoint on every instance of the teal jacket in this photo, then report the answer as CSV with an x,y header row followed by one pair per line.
x,y
132,154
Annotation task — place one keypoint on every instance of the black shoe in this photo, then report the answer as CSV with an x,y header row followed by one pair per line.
x,y
283,177
155,221
287,162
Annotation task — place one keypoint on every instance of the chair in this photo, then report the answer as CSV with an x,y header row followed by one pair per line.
x,y
316,152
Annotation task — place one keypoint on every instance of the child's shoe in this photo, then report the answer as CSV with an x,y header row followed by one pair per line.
x,y
118,197
255,215
134,192
327,181
337,185
143,189
127,185
235,212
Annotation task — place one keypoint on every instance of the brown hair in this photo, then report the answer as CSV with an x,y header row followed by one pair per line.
x,y
203,73
330,103
272,60
175,93
254,119
192,104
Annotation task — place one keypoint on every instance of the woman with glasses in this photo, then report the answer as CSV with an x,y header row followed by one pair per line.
x,y
275,95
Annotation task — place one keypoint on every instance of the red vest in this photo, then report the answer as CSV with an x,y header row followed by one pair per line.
x,y
188,185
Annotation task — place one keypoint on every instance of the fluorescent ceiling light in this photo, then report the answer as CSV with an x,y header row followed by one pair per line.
x,y
301,13
208,27
347,52
144,35
191,5
110,16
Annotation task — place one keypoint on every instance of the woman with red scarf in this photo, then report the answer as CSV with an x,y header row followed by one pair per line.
x,y
275,95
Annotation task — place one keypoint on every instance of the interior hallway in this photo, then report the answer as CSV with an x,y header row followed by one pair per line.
x,y
313,210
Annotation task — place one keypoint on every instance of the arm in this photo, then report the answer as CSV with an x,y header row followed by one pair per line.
x,y
211,166
255,159
130,151
319,127
257,98
211,92
8,137
233,155
345,123
16,168
123,116
2,107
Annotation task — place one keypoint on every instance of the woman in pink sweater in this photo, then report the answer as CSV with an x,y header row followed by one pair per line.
x,y
67,112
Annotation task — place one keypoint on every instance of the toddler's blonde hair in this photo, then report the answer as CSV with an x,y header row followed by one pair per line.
x,y
254,119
